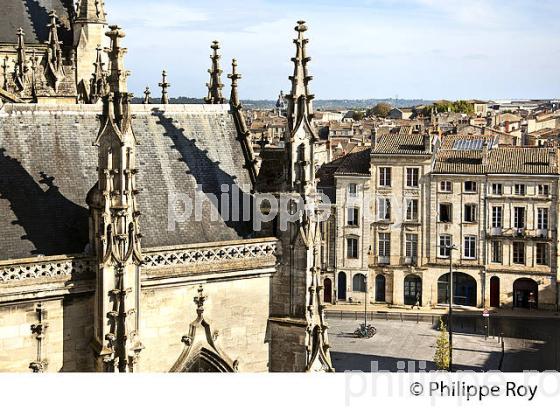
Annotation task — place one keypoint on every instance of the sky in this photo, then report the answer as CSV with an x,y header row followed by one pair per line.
x,y
430,49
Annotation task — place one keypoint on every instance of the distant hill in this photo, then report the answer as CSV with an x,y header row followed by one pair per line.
x,y
318,104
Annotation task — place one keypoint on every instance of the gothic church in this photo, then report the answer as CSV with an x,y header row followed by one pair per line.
x,y
92,277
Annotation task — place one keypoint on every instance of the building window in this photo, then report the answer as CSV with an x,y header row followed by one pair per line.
x,y
359,283
352,248
542,253
384,245
543,189
412,175
519,189
444,246
411,246
445,213
497,252
445,186
519,253
470,186
411,209
497,217
470,247
519,217
542,218
470,213
497,189
352,190
384,209
353,216
384,177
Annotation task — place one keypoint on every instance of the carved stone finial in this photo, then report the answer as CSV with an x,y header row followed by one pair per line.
x,y
215,84
164,87
234,77
98,85
199,301
20,68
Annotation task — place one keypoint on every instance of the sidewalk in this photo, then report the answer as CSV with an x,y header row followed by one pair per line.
x,y
463,310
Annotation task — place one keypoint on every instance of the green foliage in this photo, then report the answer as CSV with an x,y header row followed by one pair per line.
x,y
380,110
358,115
441,356
459,106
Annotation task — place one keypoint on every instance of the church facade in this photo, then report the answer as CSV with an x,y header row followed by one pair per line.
x,y
94,273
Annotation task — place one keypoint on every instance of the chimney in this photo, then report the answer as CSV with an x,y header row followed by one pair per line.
x,y
428,143
485,154
553,157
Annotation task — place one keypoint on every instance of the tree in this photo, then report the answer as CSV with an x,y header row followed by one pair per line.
x,y
380,110
441,356
358,115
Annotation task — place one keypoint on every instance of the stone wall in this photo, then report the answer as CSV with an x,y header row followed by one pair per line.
x,y
237,310
235,275
66,342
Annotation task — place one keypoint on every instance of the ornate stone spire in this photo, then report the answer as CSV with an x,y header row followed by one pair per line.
x,y
54,69
300,94
20,67
234,77
281,103
98,83
90,11
147,94
164,86
88,27
296,288
115,220
241,125
300,135
215,85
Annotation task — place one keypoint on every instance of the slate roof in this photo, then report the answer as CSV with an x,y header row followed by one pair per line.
x,y
501,160
356,162
48,165
33,17
402,143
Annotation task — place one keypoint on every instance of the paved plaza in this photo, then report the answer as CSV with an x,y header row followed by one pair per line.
x,y
410,346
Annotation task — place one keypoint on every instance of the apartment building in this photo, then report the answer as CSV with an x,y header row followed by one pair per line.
x,y
497,205
346,182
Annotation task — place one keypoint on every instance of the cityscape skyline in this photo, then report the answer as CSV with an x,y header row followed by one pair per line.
x,y
490,49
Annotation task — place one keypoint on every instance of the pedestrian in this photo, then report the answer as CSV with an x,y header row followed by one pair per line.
x,y
532,301
417,304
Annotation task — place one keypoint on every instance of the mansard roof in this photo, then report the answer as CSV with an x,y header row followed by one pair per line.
x,y
357,162
48,165
501,160
33,17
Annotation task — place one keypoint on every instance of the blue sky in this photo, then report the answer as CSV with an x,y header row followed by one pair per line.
x,y
360,48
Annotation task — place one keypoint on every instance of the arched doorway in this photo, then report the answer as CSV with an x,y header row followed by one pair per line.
x,y
412,289
341,286
327,291
359,283
380,288
525,294
464,287
494,291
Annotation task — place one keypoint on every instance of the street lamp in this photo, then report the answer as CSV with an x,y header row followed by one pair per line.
x,y
365,302
450,250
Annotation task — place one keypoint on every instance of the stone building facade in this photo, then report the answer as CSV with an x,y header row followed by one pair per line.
x,y
101,266
497,204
